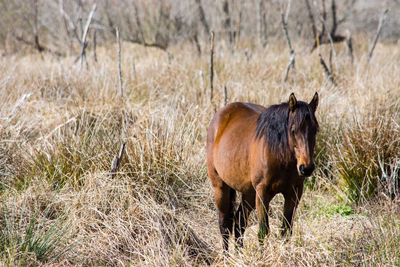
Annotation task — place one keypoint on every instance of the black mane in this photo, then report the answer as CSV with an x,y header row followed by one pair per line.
x,y
273,123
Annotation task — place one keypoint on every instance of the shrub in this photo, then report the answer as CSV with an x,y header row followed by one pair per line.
x,y
368,156
163,154
327,139
26,239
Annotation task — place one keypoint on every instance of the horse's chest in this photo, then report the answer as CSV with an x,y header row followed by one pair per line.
x,y
282,183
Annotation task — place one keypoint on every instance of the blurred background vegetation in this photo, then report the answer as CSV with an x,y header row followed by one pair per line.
x,y
57,26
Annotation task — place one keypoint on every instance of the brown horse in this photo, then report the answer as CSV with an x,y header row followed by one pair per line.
x,y
260,152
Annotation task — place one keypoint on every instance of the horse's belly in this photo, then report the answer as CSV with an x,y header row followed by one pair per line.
x,y
232,165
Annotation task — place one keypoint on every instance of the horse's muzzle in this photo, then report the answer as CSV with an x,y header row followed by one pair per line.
x,y
306,171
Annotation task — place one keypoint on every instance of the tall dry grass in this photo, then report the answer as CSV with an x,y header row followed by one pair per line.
x,y
60,129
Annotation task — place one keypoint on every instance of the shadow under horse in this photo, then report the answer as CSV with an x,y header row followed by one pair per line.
x,y
260,152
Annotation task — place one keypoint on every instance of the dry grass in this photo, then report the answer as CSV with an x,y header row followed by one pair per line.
x,y
60,129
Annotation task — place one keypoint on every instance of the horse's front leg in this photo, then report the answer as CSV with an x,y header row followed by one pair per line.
x,y
263,197
292,199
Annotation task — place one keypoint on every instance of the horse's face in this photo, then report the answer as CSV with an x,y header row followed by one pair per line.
x,y
302,131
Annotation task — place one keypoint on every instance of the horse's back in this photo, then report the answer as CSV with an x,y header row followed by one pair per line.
x,y
229,137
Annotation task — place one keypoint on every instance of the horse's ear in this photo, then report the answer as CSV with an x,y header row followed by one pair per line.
x,y
292,102
314,102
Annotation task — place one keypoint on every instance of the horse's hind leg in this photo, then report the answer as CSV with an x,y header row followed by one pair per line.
x,y
225,215
242,215
225,200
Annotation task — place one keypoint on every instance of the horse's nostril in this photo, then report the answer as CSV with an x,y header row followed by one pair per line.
x,y
301,168
306,171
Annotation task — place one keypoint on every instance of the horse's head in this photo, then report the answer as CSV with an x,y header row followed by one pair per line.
x,y
302,130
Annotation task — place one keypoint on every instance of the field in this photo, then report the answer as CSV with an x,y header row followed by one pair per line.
x,y
61,126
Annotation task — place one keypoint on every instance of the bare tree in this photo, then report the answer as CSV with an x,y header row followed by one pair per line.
x,y
30,15
211,66
325,36
83,42
378,32
262,23
135,29
57,26
328,71
227,21
202,16
292,61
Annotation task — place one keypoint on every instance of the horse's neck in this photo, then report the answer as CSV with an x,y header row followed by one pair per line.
x,y
279,160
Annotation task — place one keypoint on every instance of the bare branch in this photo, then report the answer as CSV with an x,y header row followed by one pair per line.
x,y
119,62
311,17
202,16
349,45
334,20
225,96
288,10
85,31
236,32
140,39
284,26
378,32
68,22
110,21
117,160
331,41
327,71
291,64
138,23
195,39
262,23
227,22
